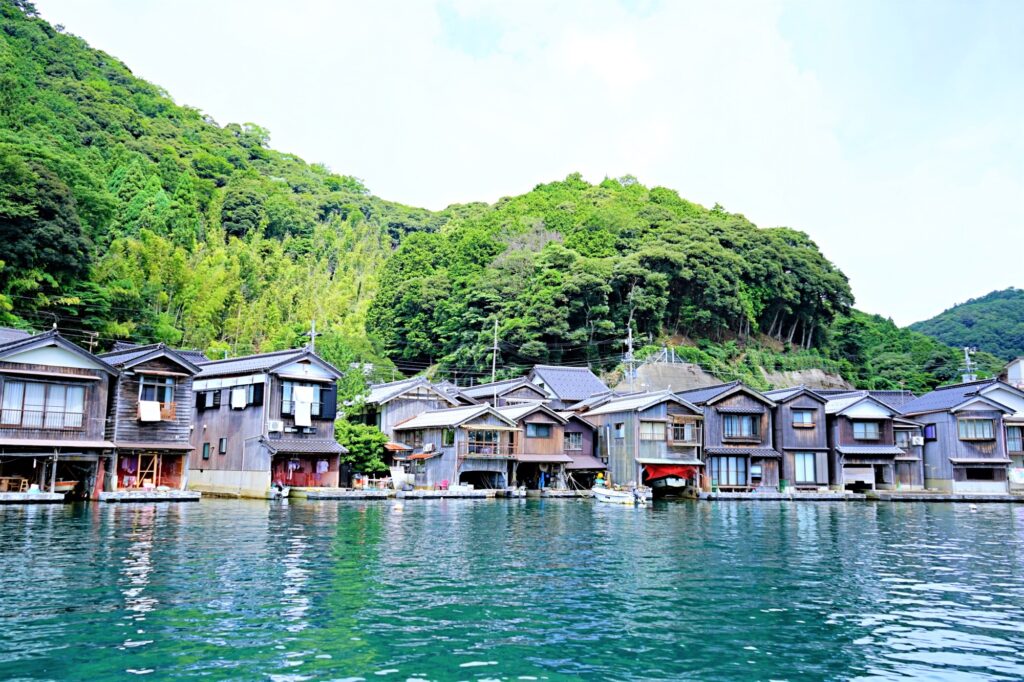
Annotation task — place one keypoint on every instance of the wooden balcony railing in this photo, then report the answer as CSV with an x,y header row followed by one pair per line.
x,y
168,411
486,450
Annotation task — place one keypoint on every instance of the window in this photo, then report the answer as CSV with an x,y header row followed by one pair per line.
x,y
159,389
573,441
729,471
979,474
902,439
414,439
866,431
803,418
652,431
222,446
206,451
685,432
288,405
975,429
448,438
930,432
484,442
34,405
620,430
1015,438
538,430
209,399
742,426
805,462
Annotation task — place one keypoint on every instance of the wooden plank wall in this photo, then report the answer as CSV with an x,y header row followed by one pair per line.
x,y
125,408
94,418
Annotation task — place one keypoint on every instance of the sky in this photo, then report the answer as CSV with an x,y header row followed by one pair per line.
x,y
890,131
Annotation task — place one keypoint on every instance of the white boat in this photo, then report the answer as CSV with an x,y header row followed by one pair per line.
x,y
612,496
278,492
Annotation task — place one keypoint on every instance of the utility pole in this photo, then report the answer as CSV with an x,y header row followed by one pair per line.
x,y
494,365
312,334
92,340
968,368
629,353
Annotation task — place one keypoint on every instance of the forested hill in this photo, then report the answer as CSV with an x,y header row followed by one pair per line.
x,y
125,214
567,268
993,323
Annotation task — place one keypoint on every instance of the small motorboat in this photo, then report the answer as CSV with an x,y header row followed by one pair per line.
x,y
633,496
64,487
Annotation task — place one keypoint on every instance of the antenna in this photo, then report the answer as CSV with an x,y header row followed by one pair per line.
x,y
629,352
312,334
92,339
968,369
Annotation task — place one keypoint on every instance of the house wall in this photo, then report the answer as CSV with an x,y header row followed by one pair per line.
x,y
589,437
403,408
938,469
94,417
714,422
242,428
622,466
790,439
124,424
553,445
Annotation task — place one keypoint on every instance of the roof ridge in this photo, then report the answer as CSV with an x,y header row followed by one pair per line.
x,y
254,355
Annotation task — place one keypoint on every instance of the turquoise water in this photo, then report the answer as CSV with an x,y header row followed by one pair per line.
x,y
510,590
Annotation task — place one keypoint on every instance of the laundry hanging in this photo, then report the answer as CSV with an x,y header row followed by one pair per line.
x,y
149,411
238,398
303,398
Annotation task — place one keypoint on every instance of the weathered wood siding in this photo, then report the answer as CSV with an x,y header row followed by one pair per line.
x,y
714,422
124,424
844,432
94,417
242,428
790,439
589,437
947,443
552,445
402,409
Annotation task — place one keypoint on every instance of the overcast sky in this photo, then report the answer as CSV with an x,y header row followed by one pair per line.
x,y
891,132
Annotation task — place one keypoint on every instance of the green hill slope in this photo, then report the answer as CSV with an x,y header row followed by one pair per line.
x,y
993,323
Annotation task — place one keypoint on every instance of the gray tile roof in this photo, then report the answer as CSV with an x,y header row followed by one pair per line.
x,y
9,334
945,397
125,352
894,399
639,401
569,383
248,363
702,395
487,390
869,450
737,450
305,446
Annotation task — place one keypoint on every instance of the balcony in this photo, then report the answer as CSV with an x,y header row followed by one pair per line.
x,y
486,450
684,438
153,411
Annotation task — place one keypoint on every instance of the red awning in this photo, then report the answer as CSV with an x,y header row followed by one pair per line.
x,y
392,446
655,471
423,455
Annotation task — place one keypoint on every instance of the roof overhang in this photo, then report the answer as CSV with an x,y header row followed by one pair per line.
x,y
981,399
740,388
53,338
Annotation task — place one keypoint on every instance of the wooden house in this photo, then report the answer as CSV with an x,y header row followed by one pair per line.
x,y
650,438
580,444
264,420
392,403
801,437
862,442
972,436
738,440
509,392
538,450
53,416
566,386
150,416
471,444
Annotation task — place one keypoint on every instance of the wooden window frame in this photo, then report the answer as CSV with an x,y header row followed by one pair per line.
x,y
48,386
655,431
876,424
962,422
800,424
535,426
571,436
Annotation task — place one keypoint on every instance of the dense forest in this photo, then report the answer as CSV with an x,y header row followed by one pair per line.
x,y
126,216
992,323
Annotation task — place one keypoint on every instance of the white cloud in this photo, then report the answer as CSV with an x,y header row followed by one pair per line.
x,y
706,98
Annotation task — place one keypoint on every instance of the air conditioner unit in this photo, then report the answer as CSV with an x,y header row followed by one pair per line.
x,y
275,425
917,440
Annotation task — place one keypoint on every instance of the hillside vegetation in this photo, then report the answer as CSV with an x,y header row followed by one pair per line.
x,y
125,215
992,323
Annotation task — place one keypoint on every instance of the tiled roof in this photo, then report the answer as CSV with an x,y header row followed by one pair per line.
x,y
517,412
880,450
53,337
784,394
585,463
305,446
702,395
945,397
382,392
453,416
638,401
569,383
248,363
8,334
593,401
130,352
838,404
753,452
499,387
893,399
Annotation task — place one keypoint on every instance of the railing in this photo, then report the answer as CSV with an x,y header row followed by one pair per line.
x,y
677,437
50,420
486,450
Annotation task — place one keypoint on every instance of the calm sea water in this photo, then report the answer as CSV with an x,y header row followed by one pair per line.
x,y
513,590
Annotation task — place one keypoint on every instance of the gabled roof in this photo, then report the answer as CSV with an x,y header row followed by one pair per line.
x,y
569,416
383,393
713,394
845,402
517,412
568,383
640,402
196,357
262,362
783,395
129,357
9,334
484,391
946,398
52,338
893,398
455,392
595,400
451,417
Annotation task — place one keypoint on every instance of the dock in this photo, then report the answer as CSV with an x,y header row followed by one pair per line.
x,y
926,496
128,496
31,498
784,497
564,493
445,494
340,494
